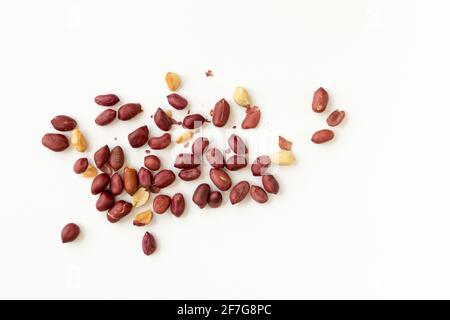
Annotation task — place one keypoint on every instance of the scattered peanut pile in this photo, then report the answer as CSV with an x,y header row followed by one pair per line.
x,y
113,180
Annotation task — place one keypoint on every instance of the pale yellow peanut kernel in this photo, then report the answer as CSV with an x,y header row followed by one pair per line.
x,y
143,218
241,97
78,140
173,81
283,158
140,197
90,172
185,136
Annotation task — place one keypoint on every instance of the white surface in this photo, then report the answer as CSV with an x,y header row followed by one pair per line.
x,y
366,216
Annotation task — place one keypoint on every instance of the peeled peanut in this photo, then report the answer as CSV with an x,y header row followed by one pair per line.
x,y
241,97
173,81
185,136
140,197
283,158
90,172
143,218
78,140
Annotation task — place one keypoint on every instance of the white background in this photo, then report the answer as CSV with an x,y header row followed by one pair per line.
x,y
366,216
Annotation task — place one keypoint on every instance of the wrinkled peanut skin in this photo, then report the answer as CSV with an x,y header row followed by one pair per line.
x,y
252,117
152,162
161,203
80,165
164,178
106,100
158,143
116,184
63,123
189,174
177,204
162,120
270,184
335,118
116,158
119,210
100,183
186,161
145,178
258,194
177,101
129,111
138,137
201,195
215,158
320,100
322,136
55,142
105,201
261,165
148,244
106,117
239,192
215,199
220,178
101,156
221,113
193,121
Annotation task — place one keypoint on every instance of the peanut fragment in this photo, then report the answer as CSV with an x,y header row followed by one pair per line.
x,y
283,158
78,140
143,218
173,81
241,97
284,143
90,172
185,136
140,197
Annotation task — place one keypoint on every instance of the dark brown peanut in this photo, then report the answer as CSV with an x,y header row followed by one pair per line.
x,y
177,204
215,158
220,178
64,123
160,142
237,144
252,117
80,165
119,210
201,195
236,162
116,158
161,203
221,113
129,111
152,162
199,146
105,201
106,117
130,180
239,192
189,174
148,244
193,121
162,120
177,101
55,142
260,166
258,194
186,161
322,136
116,184
335,118
164,178
106,100
100,183
145,178
320,100
70,232
101,156
270,184
138,137
215,199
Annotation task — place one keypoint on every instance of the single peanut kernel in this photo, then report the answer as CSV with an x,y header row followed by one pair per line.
x,y
140,197
185,136
78,140
143,218
90,172
173,81
283,158
241,97
168,112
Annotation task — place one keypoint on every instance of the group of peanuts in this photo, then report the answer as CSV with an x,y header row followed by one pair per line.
x,y
140,184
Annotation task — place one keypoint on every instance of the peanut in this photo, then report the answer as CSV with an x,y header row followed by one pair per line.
x,y
173,81
185,136
90,172
143,218
140,197
283,158
241,97
78,140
